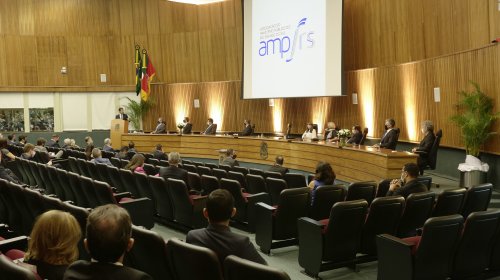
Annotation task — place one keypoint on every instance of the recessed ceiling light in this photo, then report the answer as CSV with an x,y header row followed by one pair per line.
x,y
197,2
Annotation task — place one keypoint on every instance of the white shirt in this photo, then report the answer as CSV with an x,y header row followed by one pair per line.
x,y
309,135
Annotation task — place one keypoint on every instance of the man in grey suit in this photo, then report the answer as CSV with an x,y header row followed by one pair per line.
x,y
161,127
187,126
218,236
211,128
230,158
278,166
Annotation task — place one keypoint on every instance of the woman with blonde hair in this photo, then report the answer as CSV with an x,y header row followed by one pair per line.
x,y
53,244
136,164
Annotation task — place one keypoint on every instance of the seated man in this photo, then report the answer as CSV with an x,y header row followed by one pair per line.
x,y
211,127
108,237
53,142
161,127
11,139
230,158
408,183
390,138
123,153
173,171
131,147
188,126
7,174
425,146
97,157
158,153
278,166
107,145
218,236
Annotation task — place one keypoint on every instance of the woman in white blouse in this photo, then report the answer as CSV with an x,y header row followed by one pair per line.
x,y
310,133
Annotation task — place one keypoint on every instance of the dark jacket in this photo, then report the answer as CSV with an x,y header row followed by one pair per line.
x,y
174,172
426,143
125,117
230,161
187,128
413,186
247,131
389,140
83,270
52,143
211,129
356,138
279,169
223,242
159,155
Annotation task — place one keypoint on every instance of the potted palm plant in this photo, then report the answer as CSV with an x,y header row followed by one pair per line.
x,y
137,110
475,117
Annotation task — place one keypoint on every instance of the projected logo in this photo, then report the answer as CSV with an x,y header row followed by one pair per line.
x,y
275,40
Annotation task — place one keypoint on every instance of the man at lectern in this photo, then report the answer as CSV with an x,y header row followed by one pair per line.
x,y
121,115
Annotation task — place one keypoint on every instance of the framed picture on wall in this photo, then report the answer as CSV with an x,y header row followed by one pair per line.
x,y
12,120
42,119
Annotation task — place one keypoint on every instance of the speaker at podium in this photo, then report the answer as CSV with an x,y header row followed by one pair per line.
x,y
118,127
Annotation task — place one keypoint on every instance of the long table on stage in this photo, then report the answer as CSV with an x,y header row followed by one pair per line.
x,y
350,164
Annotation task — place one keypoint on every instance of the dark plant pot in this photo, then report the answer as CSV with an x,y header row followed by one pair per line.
x,y
472,178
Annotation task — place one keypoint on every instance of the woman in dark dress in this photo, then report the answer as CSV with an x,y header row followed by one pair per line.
x,y
357,135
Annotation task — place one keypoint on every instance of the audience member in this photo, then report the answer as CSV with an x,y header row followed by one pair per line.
x,y
390,138
131,147
173,171
73,144
310,133
22,140
425,146
66,143
28,151
53,142
247,130
89,141
161,128
108,238
211,127
123,153
230,158
278,166
331,132
7,174
188,126
357,135
408,183
218,236
40,145
107,145
97,157
121,115
5,152
88,151
11,139
324,176
53,244
136,164
158,153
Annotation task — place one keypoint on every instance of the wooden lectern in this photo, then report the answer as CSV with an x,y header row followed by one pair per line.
x,y
118,127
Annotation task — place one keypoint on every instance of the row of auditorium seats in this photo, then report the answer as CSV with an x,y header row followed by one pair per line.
x,y
448,248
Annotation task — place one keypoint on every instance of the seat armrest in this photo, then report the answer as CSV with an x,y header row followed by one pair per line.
x,y
253,199
19,242
395,260
420,153
121,195
310,234
266,206
264,226
312,221
194,192
141,211
6,232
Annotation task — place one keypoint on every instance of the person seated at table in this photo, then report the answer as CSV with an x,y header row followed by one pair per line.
x,y
188,126
158,152
107,145
390,138
247,130
324,175
53,244
211,127
97,157
173,171
425,146
310,133
230,158
408,182
136,164
331,132
278,166
161,127
357,135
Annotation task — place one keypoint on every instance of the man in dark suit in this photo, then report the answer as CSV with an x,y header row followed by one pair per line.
x,y
425,146
247,131
278,166
121,115
173,171
218,236
108,237
408,183
187,126
230,158
211,127
53,142
161,127
390,138
158,153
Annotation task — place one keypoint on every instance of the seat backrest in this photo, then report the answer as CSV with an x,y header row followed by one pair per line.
x,y
432,158
150,169
76,186
293,204
477,199
148,254
449,202
104,193
211,165
473,252
88,188
383,217
73,165
426,181
203,170
417,210
63,178
102,169
345,223
181,257
236,268
274,188
436,247
209,184
144,188
363,138
219,173
116,162
94,174
117,183
240,177
240,169
190,168
324,199
225,167
58,189
82,165
383,187
182,204
153,161
271,174
128,181
361,190
194,181
164,205
255,184
256,171
295,180
10,270
240,202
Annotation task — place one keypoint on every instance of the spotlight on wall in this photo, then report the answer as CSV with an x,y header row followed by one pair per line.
x,y
64,70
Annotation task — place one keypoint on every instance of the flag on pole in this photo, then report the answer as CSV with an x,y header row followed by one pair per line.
x,y
138,71
148,72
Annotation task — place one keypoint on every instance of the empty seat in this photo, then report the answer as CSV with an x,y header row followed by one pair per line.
x,y
225,167
255,183
256,171
117,183
236,268
240,169
219,173
194,182
94,174
164,205
361,190
145,189
477,199
324,199
151,169
274,188
188,209
209,184
102,169
240,177
295,180
87,185
116,162
203,170
449,202
426,181
425,257
270,174
417,210
78,190
383,187
153,161
276,227
128,181
211,165
190,168
331,243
